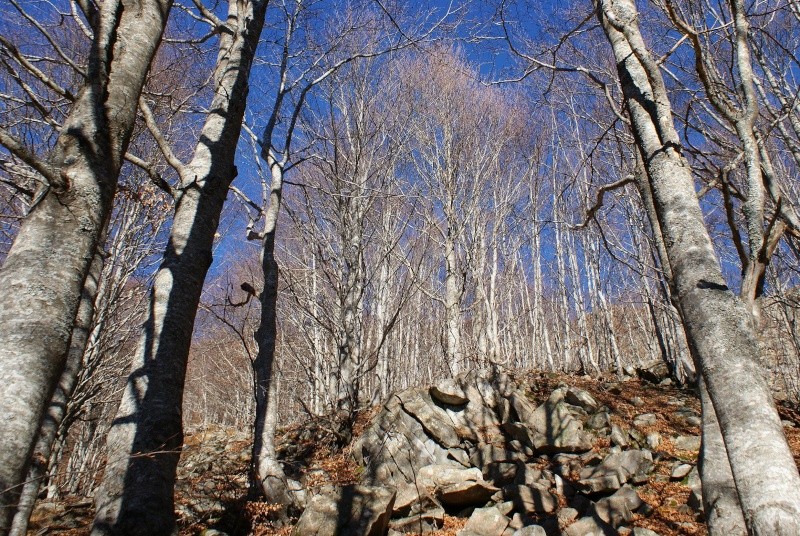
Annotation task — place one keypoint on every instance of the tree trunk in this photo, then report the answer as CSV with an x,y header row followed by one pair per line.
x,y
719,327
452,307
268,472
43,275
720,498
37,472
144,443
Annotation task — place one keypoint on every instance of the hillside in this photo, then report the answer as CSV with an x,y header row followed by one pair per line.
x,y
486,453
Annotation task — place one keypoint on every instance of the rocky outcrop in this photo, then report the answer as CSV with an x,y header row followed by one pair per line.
x,y
512,460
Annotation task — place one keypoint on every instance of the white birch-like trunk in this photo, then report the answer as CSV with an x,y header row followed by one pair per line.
x,y
43,275
136,496
718,325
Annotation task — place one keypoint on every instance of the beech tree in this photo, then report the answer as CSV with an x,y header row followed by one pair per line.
x,y
44,271
718,325
143,445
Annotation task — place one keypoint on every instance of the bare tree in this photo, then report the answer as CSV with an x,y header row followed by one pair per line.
x,y
143,445
43,274
718,325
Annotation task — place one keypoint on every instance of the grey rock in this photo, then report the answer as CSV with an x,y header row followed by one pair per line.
x,y
589,526
616,469
680,470
567,515
581,398
653,440
691,443
449,392
535,498
424,522
488,454
618,508
531,530
619,436
645,419
435,420
641,531
485,522
349,510
599,421
653,371
455,486
501,473
557,426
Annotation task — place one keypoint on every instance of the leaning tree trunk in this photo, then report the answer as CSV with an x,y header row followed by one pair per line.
x,y
720,498
136,496
43,275
719,327
37,471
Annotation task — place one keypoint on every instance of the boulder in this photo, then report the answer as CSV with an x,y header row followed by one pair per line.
x,y
426,521
535,498
581,398
449,392
615,470
348,510
555,426
454,486
653,371
531,530
396,447
687,442
434,420
589,526
485,522
645,419
618,509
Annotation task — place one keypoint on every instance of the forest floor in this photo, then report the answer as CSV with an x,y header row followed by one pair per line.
x,y
211,492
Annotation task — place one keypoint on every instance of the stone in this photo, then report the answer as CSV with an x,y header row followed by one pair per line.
x,y
691,443
454,486
488,454
531,499
435,420
500,473
396,447
449,392
618,508
567,515
579,397
557,426
641,531
531,530
347,511
426,521
485,522
589,526
680,470
616,469
653,440
645,419
653,371
619,436
599,421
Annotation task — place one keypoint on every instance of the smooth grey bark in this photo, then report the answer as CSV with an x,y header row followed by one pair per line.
x,y
720,498
136,496
37,472
718,326
268,472
44,272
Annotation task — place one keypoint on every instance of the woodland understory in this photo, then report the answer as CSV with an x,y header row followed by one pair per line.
x,y
234,217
